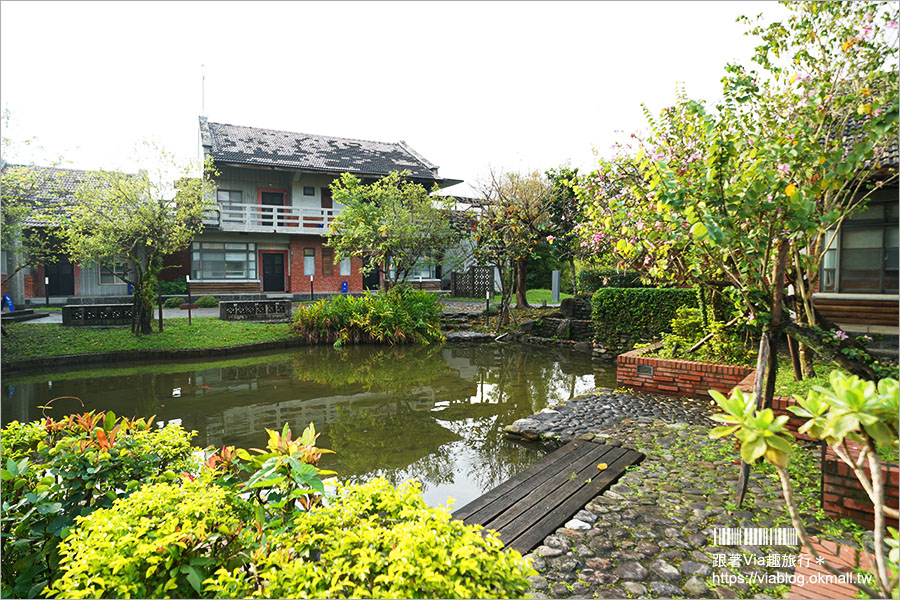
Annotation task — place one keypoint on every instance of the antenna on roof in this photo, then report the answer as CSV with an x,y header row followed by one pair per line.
x,y
203,90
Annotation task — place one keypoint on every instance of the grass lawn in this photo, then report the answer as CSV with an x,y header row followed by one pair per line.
x,y
533,296
32,340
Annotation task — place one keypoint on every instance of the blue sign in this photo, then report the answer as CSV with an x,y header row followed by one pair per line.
x,y
8,301
130,289
343,287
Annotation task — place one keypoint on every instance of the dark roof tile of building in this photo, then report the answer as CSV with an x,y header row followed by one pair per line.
x,y
283,149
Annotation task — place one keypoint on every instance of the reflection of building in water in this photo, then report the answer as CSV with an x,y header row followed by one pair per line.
x,y
245,421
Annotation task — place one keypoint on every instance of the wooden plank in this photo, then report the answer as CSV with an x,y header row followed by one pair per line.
x,y
559,470
574,448
570,474
536,523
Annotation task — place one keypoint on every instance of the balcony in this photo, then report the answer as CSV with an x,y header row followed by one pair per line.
x,y
270,219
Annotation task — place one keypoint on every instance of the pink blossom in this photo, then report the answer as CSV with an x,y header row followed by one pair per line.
x,y
784,168
840,335
892,24
790,136
550,238
695,156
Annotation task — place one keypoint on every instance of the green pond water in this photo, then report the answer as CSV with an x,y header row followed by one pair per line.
x,y
434,413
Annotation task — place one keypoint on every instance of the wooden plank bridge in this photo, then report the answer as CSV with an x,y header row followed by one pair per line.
x,y
533,504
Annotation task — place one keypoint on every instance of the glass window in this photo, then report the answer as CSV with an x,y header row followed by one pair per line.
x,y
309,261
215,260
309,190
228,196
345,267
829,263
108,276
868,252
327,261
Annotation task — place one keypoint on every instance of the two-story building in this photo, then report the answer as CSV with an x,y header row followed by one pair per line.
x,y
274,207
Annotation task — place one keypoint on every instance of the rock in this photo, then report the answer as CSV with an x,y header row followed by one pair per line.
x,y
697,540
537,582
665,590
696,587
577,525
583,551
632,571
565,564
586,516
724,592
599,564
580,589
646,548
557,541
537,562
665,570
635,588
538,596
694,568
598,577
559,590
547,551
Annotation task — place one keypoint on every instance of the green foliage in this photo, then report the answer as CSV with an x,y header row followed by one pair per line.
x,y
688,328
55,471
173,288
160,542
851,409
640,314
591,279
138,218
393,223
246,526
207,302
399,316
378,541
173,302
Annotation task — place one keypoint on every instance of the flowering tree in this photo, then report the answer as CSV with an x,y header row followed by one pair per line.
x,y
738,197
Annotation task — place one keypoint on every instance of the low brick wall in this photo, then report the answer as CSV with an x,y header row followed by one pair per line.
x,y
676,377
843,496
97,315
255,310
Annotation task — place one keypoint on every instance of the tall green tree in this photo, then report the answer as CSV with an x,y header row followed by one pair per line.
x,y
393,223
137,219
564,218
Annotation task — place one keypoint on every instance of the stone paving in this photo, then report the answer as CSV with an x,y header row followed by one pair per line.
x,y
651,534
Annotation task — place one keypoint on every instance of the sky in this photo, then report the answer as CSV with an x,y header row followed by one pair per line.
x,y
472,86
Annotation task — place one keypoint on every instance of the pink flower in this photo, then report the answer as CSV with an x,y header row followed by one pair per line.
x,y
892,24
784,168
840,335
695,156
550,239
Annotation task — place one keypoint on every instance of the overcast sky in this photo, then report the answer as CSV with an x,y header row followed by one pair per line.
x,y
513,86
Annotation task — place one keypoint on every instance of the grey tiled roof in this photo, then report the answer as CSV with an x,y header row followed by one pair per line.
x,y
272,148
889,159
48,188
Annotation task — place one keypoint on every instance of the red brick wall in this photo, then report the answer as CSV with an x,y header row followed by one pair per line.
x,y
842,495
677,377
299,283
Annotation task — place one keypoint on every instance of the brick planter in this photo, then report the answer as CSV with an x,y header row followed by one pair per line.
x,y
676,377
843,496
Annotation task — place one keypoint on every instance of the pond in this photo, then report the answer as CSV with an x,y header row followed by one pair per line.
x,y
435,413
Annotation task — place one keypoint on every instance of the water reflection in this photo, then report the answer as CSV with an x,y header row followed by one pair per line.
x,y
436,413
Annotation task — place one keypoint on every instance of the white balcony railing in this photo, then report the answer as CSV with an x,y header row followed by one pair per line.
x,y
265,218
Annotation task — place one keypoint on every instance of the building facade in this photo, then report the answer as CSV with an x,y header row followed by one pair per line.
x,y
274,207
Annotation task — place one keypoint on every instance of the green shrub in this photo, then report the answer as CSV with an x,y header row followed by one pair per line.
x,y
54,471
173,302
160,542
172,288
207,302
639,314
378,541
399,316
725,346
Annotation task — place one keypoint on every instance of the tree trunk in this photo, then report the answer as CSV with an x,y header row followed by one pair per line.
x,y
574,278
521,284
16,282
807,336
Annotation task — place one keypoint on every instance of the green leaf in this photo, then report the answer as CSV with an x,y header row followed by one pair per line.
x,y
718,432
193,577
752,450
109,421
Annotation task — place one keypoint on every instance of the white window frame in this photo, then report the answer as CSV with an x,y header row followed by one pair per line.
x,y
119,267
